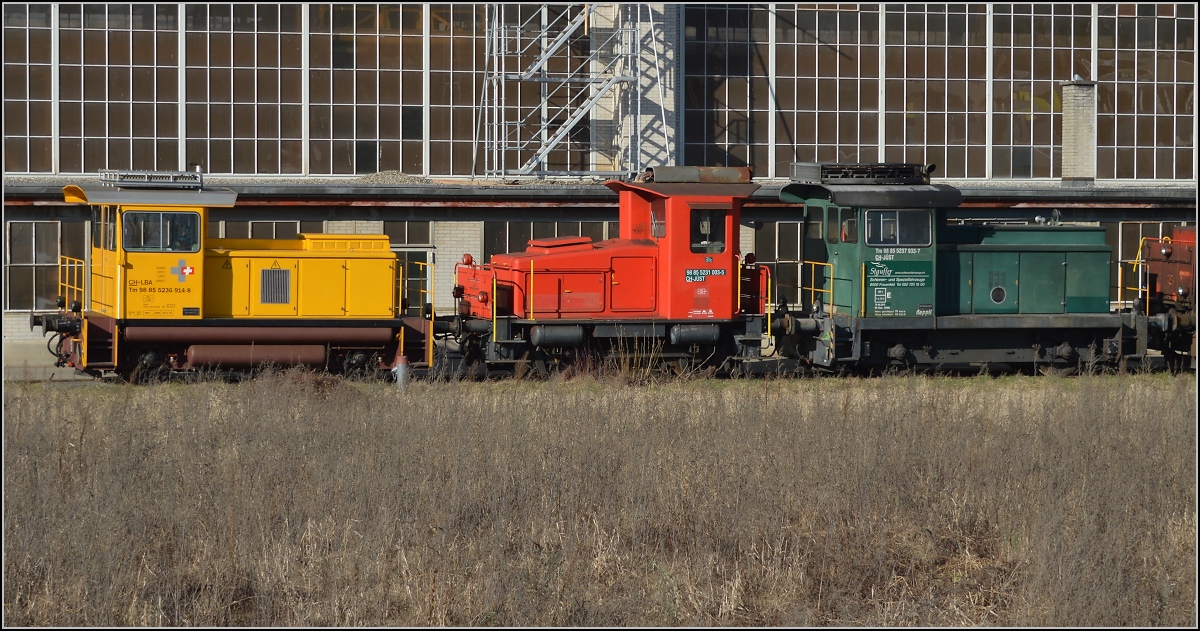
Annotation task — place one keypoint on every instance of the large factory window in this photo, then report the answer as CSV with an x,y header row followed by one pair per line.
x,y
415,276
777,246
33,249
263,229
407,232
410,241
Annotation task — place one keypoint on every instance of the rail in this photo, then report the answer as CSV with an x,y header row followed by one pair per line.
x,y
71,278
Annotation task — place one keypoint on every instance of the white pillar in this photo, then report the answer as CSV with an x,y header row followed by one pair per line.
x,y
1079,130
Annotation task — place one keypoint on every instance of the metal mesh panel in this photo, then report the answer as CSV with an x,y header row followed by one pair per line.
x,y
276,284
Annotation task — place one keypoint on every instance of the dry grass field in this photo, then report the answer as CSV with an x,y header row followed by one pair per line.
x,y
301,500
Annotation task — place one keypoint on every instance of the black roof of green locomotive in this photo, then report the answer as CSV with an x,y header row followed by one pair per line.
x,y
875,195
877,185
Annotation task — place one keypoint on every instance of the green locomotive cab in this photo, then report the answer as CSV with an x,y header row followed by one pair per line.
x,y
885,281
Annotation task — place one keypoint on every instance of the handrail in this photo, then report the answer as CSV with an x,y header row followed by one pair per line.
x,y
432,316
428,279
424,290
738,289
813,290
530,290
71,278
862,299
399,306
1137,265
768,304
495,320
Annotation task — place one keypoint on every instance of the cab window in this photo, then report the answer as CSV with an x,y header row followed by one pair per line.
x,y
831,225
849,225
708,230
160,232
108,228
899,227
97,228
658,218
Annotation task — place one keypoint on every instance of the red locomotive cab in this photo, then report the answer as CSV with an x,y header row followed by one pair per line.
x,y
691,215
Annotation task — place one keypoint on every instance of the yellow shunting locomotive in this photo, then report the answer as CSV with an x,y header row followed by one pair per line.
x,y
158,294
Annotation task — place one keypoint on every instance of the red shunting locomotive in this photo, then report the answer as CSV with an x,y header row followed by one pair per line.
x,y
672,287
1167,286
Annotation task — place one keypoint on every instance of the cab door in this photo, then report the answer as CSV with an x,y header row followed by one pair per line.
x,y
706,259
103,280
633,284
163,265
841,242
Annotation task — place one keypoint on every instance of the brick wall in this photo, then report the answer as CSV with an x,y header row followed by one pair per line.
x,y
1079,130
452,239
746,239
16,328
352,226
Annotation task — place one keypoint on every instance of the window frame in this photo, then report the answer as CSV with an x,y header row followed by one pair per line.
x,y
873,240
716,218
129,218
48,265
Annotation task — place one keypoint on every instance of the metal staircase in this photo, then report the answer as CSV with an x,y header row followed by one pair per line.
x,y
562,91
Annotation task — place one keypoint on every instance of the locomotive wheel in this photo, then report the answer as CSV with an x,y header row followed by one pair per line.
x,y
681,367
149,368
143,374
1059,371
545,364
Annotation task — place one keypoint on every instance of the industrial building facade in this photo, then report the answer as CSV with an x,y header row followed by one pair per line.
x,y
291,103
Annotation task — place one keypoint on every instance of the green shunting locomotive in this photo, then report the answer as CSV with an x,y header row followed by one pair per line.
x,y
887,282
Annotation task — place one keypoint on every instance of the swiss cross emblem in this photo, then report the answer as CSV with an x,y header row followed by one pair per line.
x,y
183,270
